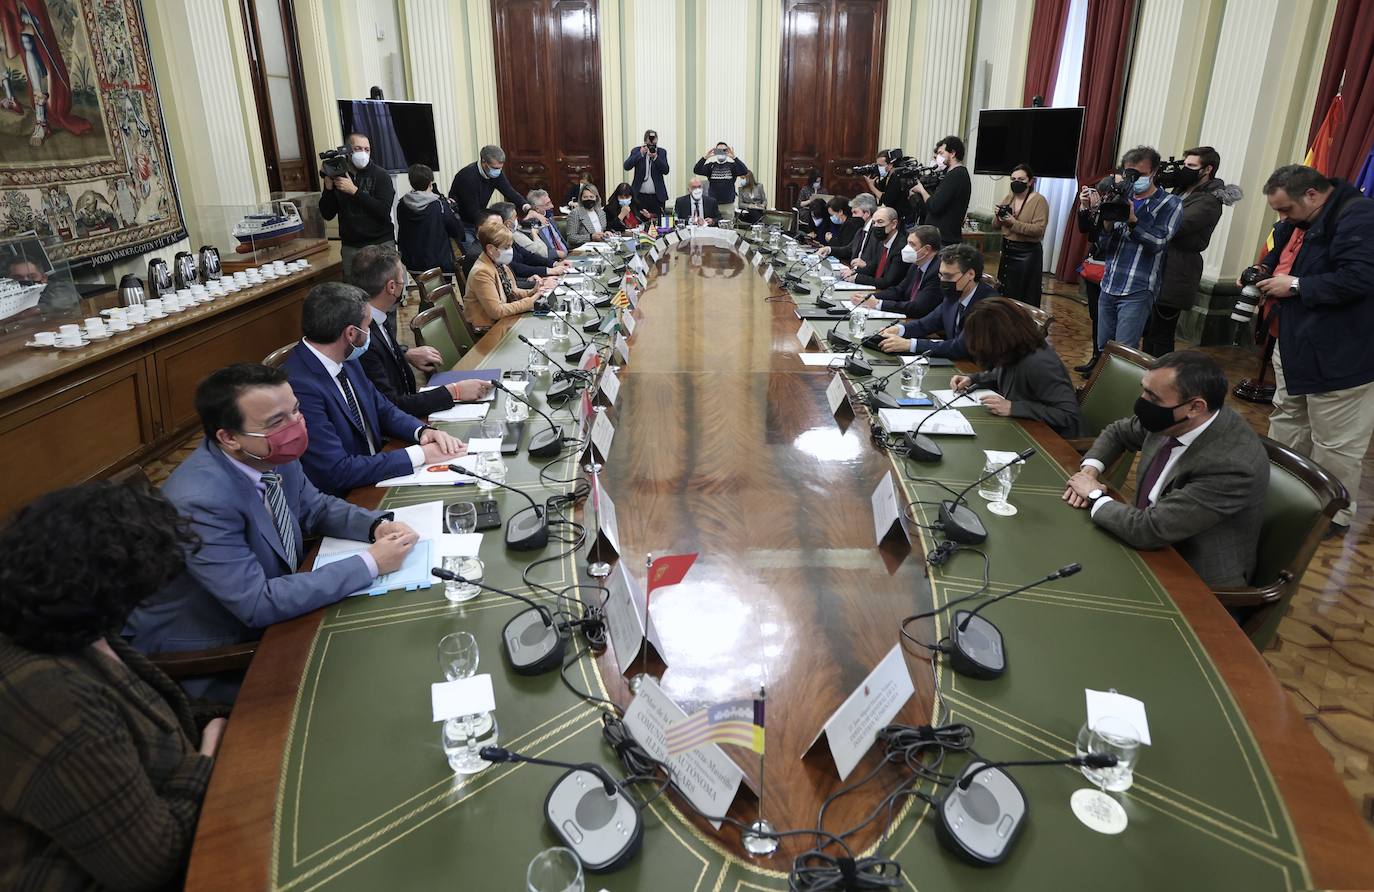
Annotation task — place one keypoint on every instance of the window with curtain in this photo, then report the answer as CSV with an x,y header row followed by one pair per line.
x,y
1061,193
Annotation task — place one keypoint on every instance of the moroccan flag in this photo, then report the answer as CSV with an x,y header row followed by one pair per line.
x,y
668,570
738,721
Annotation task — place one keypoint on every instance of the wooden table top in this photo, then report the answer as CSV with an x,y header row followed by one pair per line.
x,y
725,446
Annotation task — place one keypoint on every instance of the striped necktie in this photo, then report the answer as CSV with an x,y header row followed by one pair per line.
x,y
281,516
356,412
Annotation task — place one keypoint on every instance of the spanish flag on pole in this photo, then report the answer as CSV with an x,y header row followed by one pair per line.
x,y
1319,153
737,721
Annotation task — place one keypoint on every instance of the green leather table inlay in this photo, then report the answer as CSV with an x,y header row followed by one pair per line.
x,y
364,798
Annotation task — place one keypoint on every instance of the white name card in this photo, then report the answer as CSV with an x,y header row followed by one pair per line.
x,y
835,394
602,433
705,775
610,384
852,728
674,237
622,347
466,696
625,612
653,254
637,264
806,334
605,516
758,260
886,511
628,320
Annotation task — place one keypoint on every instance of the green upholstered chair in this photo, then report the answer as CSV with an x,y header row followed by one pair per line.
x,y
446,299
1042,317
431,330
1302,499
425,283
1110,393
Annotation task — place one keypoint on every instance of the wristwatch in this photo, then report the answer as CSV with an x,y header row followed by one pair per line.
x,y
1096,494
1293,288
386,517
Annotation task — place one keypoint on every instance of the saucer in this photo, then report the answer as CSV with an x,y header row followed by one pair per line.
x,y
95,337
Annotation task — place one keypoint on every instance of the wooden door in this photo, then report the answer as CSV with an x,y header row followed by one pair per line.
x,y
548,83
274,63
832,86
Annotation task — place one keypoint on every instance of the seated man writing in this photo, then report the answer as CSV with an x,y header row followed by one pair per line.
x,y
349,420
252,508
1203,472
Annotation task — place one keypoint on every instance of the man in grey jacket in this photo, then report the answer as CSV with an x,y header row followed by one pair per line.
x,y
1202,478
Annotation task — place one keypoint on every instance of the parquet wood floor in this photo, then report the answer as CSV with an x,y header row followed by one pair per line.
x,y
1324,655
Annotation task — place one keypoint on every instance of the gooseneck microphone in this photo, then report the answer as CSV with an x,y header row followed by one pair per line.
x,y
573,354
980,822
878,397
528,528
975,645
587,810
921,447
961,523
546,443
566,381
532,641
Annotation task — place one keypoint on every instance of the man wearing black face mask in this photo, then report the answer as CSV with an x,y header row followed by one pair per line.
x,y
1203,195
1202,478
1319,306
961,266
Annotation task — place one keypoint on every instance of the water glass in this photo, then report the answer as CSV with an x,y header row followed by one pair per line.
x,y
1112,736
1002,485
460,517
560,327
455,590
990,489
463,738
554,870
516,411
858,319
912,377
491,466
458,655
537,363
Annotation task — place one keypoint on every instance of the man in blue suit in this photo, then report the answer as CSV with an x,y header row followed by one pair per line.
x,y
961,266
248,500
350,421
919,292
650,164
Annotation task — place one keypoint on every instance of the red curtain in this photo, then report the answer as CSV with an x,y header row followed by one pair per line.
x,y
1046,44
1101,91
1349,55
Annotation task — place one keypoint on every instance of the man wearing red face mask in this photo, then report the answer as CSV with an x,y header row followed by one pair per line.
x,y
252,507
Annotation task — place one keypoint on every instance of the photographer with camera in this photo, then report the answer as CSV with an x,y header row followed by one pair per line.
x,y
1194,181
1136,219
722,170
947,205
1022,216
889,186
650,166
1317,302
360,194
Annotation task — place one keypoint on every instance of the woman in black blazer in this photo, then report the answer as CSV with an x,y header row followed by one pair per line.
x,y
624,211
1029,378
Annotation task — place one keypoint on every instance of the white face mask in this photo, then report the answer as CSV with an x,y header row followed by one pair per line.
x,y
882,170
696,193
360,159
505,256
739,183
909,254
939,161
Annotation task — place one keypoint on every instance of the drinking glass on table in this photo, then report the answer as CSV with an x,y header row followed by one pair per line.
x,y
554,870
1002,486
989,488
913,375
1111,735
491,466
460,517
516,410
456,590
458,655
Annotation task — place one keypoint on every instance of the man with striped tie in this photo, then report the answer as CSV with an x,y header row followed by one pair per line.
x,y
248,500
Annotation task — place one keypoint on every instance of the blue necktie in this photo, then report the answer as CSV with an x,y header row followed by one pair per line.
x,y
353,410
281,517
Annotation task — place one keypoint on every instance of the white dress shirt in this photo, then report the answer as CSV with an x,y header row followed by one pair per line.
x,y
1185,440
416,453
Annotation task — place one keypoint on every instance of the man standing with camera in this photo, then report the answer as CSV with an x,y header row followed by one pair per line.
x,y
1319,306
1137,219
360,193
1203,196
650,166
946,207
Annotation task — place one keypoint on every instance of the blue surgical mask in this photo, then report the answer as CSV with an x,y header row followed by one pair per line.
x,y
490,173
624,202
358,350
1141,186
836,220
882,170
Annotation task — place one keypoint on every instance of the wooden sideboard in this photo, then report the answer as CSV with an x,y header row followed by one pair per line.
x,y
71,416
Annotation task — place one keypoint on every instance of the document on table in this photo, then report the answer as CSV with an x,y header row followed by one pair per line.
x,y
853,286
884,314
825,360
413,573
462,412
488,397
946,421
423,476
966,400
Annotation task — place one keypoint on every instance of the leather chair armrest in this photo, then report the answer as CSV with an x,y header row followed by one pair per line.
x,y
1081,444
1254,597
192,663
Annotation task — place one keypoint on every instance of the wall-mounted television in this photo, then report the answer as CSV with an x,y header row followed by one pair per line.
x,y
401,133
1045,138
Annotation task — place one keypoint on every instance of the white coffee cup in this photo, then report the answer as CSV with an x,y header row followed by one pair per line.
x,y
70,329
154,305
137,314
114,312
240,277
95,326
45,338
69,339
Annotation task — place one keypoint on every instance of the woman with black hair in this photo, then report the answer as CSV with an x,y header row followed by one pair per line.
x,y
624,212
1022,216
102,764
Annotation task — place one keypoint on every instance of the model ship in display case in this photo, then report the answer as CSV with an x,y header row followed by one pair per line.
x,y
16,297
282,224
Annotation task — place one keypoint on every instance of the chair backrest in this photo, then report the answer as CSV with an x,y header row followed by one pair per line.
x,y
1043,318
431,330
1302,499
428,280
447,300
994,283
278,356
1112,388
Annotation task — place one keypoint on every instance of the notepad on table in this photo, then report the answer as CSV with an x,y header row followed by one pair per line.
x,y
946,421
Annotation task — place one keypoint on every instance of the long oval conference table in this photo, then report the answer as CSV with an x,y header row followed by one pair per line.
x,y
331,774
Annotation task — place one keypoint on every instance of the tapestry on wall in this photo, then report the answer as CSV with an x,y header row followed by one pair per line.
x,y
83,152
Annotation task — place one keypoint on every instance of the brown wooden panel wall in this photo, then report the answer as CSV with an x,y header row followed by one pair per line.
x,y
831,93
548,80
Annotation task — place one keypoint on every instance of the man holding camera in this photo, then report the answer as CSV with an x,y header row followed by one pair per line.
x,y
1318,304
1137,219
946,207
361,196
889,187
1203,196
650,166
722,169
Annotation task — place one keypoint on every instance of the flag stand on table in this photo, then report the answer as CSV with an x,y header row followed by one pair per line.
x,y
644,648
759,839
596,567
667,570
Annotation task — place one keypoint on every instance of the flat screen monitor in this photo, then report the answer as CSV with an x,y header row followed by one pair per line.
x,y
401,133
1044,138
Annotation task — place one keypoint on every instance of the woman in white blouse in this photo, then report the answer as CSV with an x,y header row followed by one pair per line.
x,y
586,219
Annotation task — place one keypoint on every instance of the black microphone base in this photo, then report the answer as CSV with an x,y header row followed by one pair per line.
x,y
574,355
825,302
881,399
839,341
977,651
919,447
560,392
857,365
981,824
604,831
546,444
527,530
591,326
961,524
532,647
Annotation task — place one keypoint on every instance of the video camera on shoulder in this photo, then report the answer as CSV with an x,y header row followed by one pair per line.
x,y
1170,174
334,162
1116,198
894,157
